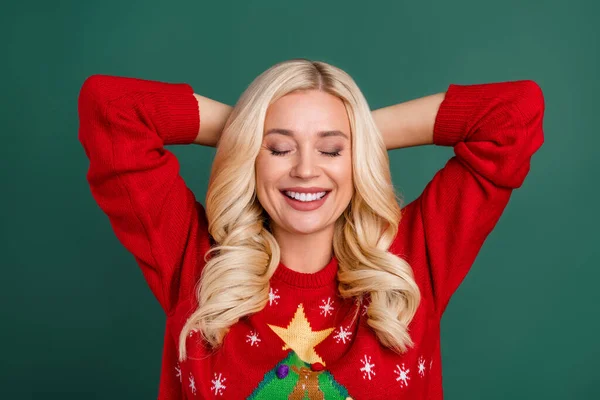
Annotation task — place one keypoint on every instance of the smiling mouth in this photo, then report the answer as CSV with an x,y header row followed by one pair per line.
x,y
305,197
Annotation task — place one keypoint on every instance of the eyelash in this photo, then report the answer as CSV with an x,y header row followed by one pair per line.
x,y
281,153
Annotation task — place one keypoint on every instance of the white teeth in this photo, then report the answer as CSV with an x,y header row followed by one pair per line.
x,y
306,197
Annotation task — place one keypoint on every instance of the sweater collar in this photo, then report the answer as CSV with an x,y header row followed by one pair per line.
x,y
324,277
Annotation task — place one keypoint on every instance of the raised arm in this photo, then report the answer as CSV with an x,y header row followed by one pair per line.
x,y
409,123
494,128
124,124
214,116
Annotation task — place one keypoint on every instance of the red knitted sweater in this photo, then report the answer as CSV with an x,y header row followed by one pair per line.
x,y
302,345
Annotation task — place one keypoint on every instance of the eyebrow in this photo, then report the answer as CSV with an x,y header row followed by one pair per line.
x,y
288,132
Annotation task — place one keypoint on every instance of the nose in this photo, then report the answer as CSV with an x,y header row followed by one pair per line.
x,y
305,165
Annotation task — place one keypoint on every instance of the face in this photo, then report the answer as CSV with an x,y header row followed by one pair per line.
x,y
304,169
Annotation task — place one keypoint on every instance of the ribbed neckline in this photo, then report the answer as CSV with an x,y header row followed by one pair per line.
x,y
323,277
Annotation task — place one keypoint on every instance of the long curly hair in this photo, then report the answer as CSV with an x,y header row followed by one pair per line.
x,y
235,280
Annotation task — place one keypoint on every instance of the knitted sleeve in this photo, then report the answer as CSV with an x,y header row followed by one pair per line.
x,y
494,129
124,124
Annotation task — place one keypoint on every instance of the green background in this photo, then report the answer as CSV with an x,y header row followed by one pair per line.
x,y
78,320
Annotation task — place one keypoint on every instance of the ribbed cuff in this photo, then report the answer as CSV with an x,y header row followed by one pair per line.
x,y
177,114
455,111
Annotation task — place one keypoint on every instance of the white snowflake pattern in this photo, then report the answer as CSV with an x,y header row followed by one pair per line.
x,y
367,368
192,331
327,307
364,306
342,335
421,366
178,372
252,338
192,384
273,296
402,375
218,384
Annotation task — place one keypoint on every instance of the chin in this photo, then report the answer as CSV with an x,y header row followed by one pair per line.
x,y
306,229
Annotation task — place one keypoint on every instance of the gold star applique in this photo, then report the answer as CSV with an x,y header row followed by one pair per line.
x,y
300,337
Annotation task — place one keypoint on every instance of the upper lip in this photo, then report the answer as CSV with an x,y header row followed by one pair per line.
x,y
298,189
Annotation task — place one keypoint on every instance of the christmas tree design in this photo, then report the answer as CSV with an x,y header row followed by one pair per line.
x,y
300,375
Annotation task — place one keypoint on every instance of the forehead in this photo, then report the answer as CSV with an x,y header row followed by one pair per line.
x,y
307,112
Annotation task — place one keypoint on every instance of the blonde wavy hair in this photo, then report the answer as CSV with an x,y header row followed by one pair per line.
x,y
235,280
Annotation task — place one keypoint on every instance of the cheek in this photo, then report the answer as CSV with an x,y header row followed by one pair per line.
x,y
263,168
342,173
269,173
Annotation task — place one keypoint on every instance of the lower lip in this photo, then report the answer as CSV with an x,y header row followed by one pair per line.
x,y
305,205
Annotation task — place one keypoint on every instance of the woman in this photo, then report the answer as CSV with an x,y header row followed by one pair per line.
x,y
304,277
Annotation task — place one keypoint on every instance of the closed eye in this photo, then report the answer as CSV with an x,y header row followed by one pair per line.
x,y
281,153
